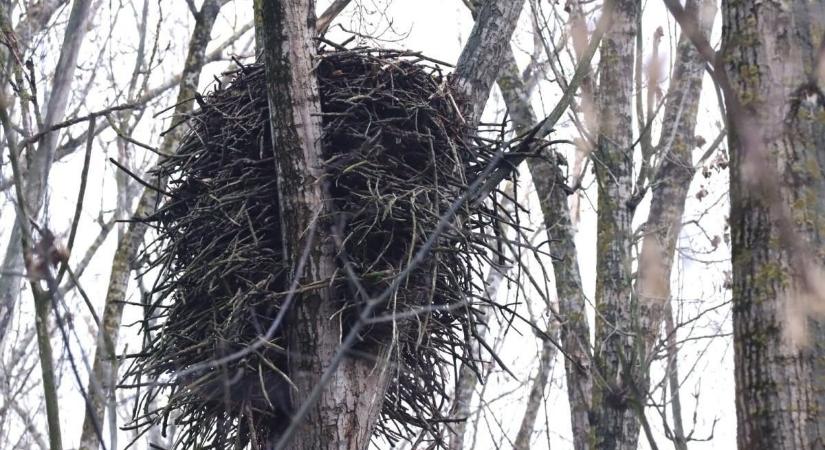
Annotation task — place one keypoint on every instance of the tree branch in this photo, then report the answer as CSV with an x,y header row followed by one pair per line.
x,y
479,64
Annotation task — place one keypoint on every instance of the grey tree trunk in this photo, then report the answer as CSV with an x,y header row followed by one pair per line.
x,y
516,97
480,61
615,424
773,57
669,185
670,182
344,415
104,369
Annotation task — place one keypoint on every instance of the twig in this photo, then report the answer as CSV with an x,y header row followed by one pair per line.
x,y
84,175
67,123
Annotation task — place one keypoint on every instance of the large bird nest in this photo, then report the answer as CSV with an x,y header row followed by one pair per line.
x,y
398,158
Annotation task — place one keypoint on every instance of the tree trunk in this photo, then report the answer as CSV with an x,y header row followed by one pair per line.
x,y
670,183
575,331
344,415
615,424
104,370
669,186
772,53
480,61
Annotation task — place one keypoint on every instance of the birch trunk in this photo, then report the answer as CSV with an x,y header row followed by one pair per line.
x,y
104,370
773,56
615,425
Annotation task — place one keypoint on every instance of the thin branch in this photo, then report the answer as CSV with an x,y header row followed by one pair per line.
x,y
67,123
84,175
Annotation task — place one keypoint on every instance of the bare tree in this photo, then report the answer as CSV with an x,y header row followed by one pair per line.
x,y
43,157
771,108
103,377
670,179
638,143
344,414
30,29
657,172
615,425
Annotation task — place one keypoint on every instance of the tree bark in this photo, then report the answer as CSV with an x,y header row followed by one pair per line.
x,y
480,61
669,187
104,373
773,56
344,415
615,424
332,11
671,181
553,199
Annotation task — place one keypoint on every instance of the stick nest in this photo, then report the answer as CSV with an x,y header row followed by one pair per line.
x,y
398,158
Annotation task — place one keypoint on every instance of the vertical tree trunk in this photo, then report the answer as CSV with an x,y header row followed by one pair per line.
x,y
669,186
670,183
104,370
30,197
497,57
575,331
616,426
345,414
773,56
